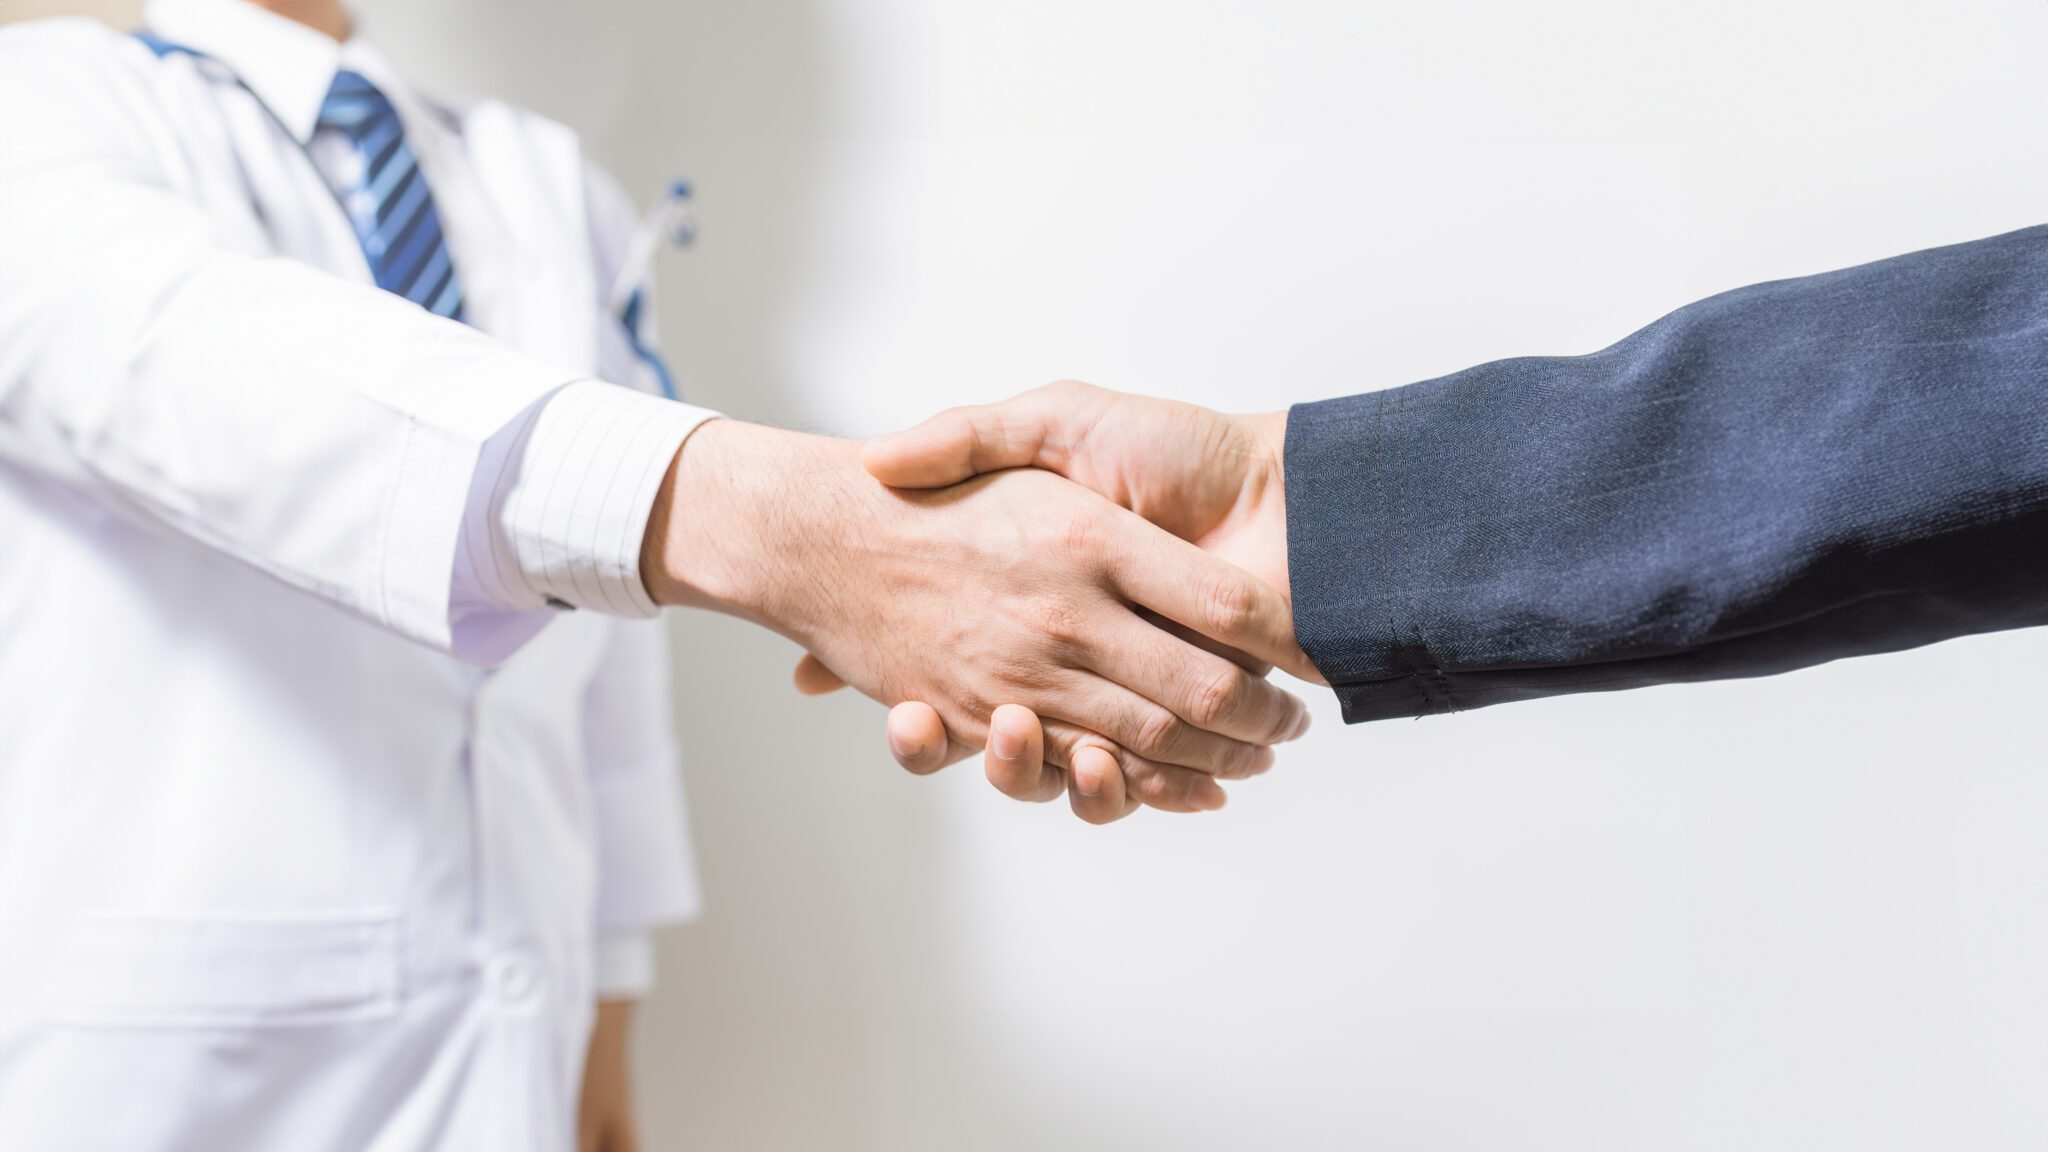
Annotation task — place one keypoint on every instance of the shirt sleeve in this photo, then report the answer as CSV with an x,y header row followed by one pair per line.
x,y
624,966
557,512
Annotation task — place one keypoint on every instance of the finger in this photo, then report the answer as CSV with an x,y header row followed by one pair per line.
x,y
1246,661
1207,691
1167,787
1032,430
1095,786
1096,795
1015,759
814,679
1153,731
1172,577
917,738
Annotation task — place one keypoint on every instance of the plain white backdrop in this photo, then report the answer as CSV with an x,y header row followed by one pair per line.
x,y
1784,914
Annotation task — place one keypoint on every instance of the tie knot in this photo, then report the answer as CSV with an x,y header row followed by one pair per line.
x,y
355,106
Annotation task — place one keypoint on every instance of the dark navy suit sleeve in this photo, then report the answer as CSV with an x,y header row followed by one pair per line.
x,y
1783,475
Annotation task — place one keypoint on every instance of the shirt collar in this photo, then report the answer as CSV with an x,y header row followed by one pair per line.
x,y
287,65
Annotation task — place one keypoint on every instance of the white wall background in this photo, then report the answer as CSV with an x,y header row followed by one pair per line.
x,y
1797,913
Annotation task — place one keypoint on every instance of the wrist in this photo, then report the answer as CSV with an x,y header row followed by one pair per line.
x,y
741,516
1265,440
699,551
1267,434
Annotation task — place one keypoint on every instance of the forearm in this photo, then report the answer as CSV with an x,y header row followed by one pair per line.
x,y
605,1121
1779,476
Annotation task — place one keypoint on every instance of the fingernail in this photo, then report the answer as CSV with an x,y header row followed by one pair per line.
x,y
904,750
1088,782
1007,745
1301,726
1208,797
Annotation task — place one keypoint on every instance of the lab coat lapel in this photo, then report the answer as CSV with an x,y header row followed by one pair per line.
x,y
531,169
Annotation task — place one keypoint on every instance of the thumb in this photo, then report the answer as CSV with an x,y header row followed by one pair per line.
x,y
1027,431
953,446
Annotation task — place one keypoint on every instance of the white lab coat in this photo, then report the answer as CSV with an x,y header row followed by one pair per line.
x,y
277,870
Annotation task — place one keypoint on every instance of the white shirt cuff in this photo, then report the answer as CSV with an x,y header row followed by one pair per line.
x,y
558,512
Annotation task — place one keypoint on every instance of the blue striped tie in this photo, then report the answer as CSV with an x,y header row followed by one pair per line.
x,y
390,206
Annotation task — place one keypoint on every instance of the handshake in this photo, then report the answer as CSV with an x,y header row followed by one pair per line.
x,y
1094,585
1090,584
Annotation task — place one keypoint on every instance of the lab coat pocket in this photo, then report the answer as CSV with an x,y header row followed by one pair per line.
x,y
151,970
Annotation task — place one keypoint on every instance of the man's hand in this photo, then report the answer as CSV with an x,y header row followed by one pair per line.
x,y
604,1115
1013,588
1209,478
1212,479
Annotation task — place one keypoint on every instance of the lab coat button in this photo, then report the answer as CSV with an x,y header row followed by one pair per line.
x,y
511,978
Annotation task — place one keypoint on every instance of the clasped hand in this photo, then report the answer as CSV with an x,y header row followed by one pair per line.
x,y
1121,626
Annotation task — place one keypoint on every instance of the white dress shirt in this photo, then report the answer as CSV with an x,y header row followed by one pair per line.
x,y
321,822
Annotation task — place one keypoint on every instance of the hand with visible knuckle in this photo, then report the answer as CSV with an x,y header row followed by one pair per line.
x,y
1156,734
950,573
1217,700
1049,572
1228,606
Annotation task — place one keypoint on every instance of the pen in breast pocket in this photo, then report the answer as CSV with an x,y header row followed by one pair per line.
x,y
669,219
